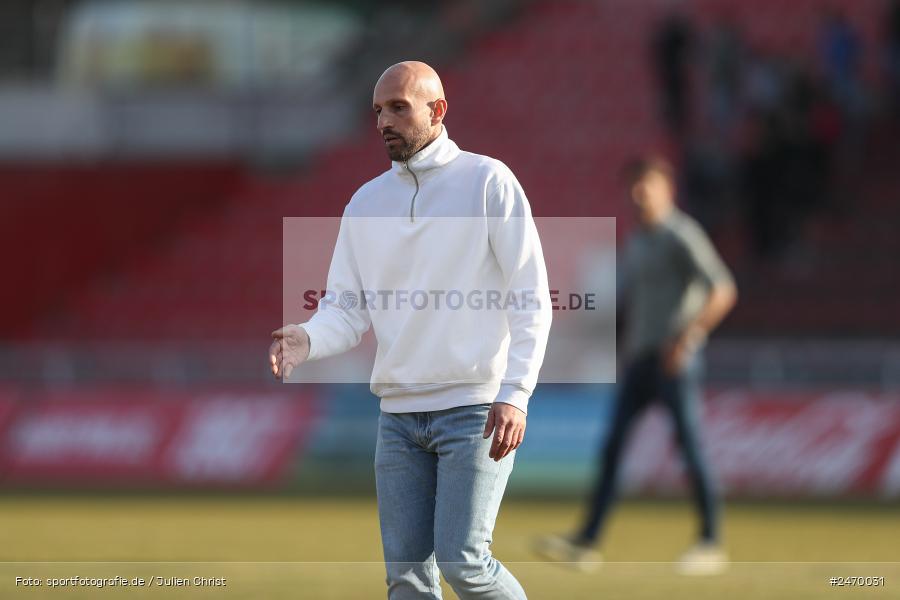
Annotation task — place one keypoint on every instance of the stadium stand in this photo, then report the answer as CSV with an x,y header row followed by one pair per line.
x,y
549,95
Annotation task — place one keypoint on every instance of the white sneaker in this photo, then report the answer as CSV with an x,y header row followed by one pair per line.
x,y
706,558
563,549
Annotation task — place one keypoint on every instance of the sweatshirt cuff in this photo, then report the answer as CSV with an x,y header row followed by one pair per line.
x,y
514,395
313,345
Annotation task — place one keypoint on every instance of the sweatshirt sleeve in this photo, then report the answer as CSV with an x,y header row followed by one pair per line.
x,y
517,247
341,320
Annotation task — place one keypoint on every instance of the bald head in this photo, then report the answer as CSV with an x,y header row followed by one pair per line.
x,y
416,77
410,104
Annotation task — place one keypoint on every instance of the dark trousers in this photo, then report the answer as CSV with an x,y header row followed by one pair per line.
x,y
644,382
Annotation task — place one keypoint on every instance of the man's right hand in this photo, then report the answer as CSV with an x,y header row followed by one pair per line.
x,y
290,348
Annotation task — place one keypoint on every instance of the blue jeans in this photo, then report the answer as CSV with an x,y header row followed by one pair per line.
x,y
438,496
645,381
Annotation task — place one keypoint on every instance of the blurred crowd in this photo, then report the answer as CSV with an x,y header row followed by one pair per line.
x,y
776,137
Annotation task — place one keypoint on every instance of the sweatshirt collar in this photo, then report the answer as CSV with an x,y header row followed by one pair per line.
x,y
436,154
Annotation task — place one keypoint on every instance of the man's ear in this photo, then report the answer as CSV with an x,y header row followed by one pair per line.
x,y
438,111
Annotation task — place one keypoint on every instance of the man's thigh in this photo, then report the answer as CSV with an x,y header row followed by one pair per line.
x,y
634,394
405,480
682,395
470,484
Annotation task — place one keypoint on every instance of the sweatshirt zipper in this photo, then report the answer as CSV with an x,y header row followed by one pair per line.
x,y
412,203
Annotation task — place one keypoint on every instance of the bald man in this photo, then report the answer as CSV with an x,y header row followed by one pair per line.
x,y
443,256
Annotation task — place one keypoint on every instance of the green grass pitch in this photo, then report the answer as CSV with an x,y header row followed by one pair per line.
x,y
322,549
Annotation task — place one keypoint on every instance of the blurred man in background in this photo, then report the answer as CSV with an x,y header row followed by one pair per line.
x,y
675,290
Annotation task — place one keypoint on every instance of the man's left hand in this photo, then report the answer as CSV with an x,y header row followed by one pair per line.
x,y
677,352
508,424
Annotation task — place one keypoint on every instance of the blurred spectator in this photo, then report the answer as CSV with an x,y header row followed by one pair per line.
x,y
763,178
841,54
672,44
725,63
786,169
825,120
706,180
840,50
763,83
808,155
892,31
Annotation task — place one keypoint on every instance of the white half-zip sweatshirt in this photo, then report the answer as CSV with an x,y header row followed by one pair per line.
x,y
441,257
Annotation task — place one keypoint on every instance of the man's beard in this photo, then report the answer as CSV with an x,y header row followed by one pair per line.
x,y
408,146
